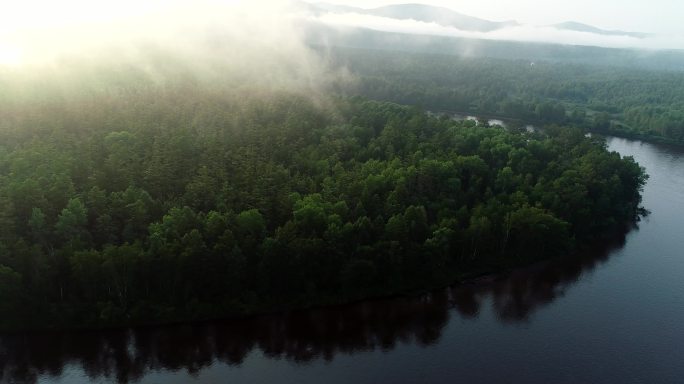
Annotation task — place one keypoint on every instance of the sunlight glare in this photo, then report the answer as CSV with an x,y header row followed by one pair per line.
x,y
40,30
10,56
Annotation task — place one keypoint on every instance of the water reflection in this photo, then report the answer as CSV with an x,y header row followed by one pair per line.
x,y
299,337
517,296
456,116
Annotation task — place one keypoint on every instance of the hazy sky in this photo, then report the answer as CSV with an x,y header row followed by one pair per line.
x,y
34,27
656,16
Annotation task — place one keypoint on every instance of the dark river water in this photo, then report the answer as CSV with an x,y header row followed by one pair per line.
x,y
615,315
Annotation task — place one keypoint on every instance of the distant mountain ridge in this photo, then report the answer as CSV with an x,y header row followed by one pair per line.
x,y
449,18
321,35
580,27
425,13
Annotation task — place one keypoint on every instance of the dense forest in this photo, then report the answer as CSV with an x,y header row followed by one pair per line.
x,y
133,200
622,101
321,35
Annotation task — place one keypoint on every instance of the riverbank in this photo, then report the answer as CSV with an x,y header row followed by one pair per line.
x,y
641,137
612,316
402,203
479,277
505,121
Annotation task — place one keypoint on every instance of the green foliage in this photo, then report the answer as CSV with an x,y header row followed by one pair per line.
x,y
10,296
608,99
71,222
125,211
534,232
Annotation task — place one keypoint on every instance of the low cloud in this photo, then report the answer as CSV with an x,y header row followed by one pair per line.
x,y
528,33
250,43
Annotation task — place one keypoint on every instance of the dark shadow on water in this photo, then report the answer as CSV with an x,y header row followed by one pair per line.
x,y
518,295
299,337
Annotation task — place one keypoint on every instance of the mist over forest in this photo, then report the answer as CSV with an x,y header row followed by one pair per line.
x,y
208,160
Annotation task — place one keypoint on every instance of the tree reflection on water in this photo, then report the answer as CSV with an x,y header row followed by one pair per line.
x,y
298,336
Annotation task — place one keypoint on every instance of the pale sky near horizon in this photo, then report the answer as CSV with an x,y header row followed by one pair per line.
x,y
31,26
653,16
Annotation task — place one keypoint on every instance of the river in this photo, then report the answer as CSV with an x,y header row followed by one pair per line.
x,y
615,315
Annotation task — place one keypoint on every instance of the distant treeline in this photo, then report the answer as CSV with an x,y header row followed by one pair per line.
x,y
321,35
133,201
616,100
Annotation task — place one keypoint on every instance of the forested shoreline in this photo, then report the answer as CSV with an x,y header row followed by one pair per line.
x,y
133,202
629,102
